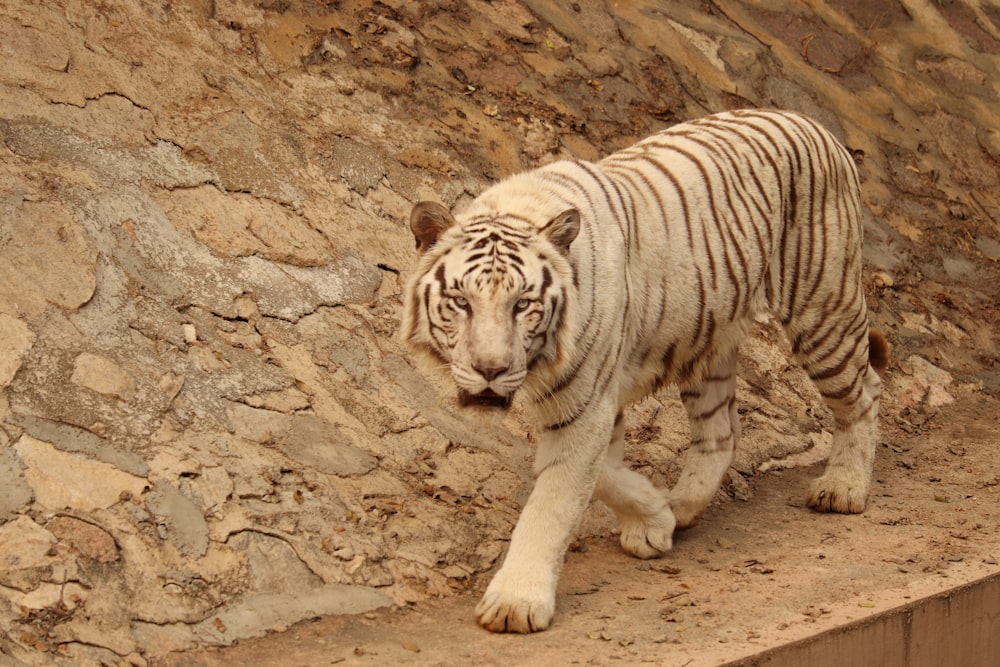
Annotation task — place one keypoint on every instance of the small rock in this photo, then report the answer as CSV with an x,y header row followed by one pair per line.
x,y
922,383
136,660
26,554
210,488
306,439
882,279
255,615
102,375
15,341
50,258
87,539
812,611
274,565
737,486
14,491
60,479
47,595
290,399
185,525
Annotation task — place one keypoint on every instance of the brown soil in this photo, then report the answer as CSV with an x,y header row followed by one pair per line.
x,y
751,575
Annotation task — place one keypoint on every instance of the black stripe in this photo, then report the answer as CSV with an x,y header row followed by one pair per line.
x,y
705,415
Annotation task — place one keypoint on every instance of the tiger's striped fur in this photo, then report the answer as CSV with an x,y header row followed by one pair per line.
x,y
588,285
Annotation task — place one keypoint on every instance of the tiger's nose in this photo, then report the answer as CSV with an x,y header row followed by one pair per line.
x,y
490,373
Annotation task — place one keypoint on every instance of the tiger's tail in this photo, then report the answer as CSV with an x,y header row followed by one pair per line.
x,y
878,351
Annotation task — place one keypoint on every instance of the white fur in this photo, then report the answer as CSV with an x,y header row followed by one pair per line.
x,y
659,287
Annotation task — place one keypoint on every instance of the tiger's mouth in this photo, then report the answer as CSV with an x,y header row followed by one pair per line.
x,y
484,399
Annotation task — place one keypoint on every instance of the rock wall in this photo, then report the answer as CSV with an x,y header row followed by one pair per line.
x,y
207,428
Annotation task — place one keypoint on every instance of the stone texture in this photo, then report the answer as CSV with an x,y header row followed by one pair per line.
x,y
203,242
26,554
61,480
75,439
182,520
102,375
258,614
210,488
274,566
85,538
15,340
304,438
921,384
14,492
34,270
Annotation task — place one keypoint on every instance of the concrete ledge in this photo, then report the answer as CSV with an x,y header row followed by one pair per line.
x,y
960,626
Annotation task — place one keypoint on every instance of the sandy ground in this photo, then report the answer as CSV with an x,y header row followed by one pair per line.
x,y
750,575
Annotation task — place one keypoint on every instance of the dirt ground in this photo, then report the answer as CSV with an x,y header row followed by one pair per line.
x,y
202,242
750,576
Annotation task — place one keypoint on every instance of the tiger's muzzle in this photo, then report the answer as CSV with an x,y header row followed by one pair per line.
x,y
484,399
489,363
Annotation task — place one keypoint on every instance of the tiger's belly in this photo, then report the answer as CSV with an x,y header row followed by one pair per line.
x,y
679,355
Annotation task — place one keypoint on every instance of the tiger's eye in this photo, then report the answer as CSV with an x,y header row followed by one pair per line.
x,y
521,304
461,301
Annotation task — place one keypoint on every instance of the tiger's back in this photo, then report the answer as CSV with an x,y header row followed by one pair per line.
x,y
760,213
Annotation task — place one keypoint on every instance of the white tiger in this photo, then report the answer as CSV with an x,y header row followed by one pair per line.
x,y
590,285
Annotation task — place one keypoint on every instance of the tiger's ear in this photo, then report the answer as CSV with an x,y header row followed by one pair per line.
x,y
562,229
427,220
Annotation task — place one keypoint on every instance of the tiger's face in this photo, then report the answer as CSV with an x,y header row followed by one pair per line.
x,y
488,299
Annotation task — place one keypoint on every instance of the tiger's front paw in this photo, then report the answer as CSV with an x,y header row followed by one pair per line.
x,y
648,536
837,491
516,606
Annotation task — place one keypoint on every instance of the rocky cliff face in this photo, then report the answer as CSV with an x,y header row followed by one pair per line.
x,y
207,428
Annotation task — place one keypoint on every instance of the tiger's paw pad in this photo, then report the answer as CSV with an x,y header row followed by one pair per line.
x,y
502,612
837,493
649,536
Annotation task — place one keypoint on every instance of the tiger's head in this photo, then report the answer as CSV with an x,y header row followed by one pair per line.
x,y
492,297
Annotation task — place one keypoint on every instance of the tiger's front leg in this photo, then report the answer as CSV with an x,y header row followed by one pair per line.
x,y
522,595
643,511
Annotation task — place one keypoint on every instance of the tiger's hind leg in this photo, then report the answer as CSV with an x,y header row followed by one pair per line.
x,y
643,510
715,433
838,364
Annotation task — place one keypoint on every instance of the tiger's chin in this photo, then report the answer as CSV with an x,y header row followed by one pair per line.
x,y
487,399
